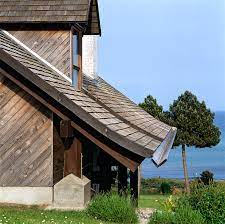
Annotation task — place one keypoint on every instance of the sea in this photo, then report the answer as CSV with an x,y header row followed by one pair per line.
x,y
198,160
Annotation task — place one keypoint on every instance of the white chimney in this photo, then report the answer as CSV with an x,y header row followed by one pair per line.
x,y
89,55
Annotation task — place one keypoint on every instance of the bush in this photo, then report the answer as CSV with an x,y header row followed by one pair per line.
x,y
182,215
112,208
186,215
209,201
206,177
162,218
165,188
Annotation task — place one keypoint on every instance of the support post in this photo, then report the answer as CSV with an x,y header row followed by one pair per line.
x,y
134,187
73,159
139,179
122,180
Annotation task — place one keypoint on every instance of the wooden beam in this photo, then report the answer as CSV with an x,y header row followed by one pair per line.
x,y
122,180
72,162
66,130
134,187
132,165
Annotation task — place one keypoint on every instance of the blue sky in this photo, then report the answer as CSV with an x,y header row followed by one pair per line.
x,y
163,48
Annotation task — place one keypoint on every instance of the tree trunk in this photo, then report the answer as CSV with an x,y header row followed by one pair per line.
x,y
187,186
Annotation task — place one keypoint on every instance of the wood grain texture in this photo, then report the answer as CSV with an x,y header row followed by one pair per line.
x,y
53,46
26,142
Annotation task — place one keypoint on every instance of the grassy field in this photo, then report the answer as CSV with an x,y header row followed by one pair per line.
x,y
11,215
152,201
24,215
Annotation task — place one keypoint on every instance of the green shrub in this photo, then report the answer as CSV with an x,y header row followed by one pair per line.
x,y
112,208
165,188
162,218
186,215
182,215
206,177
209,201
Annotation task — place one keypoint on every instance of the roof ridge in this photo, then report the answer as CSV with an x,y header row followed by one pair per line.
x,y
36,55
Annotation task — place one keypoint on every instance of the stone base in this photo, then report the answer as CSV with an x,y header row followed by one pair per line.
x,y
26,195
72,192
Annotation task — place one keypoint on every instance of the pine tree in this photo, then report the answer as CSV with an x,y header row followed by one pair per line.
x,y
194,122
151,106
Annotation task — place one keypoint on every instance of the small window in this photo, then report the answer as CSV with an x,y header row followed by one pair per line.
x,y
75,49
76,54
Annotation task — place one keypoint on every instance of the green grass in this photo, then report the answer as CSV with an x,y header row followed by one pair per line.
x,y
16,215
152,201
24,215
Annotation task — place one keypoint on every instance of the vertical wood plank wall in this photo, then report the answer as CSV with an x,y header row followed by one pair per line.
x,y
53,46
26,139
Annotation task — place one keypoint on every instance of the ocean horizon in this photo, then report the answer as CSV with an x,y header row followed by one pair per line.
x,y
198,160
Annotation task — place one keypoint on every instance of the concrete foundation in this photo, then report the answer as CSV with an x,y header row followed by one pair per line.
x,y
72,192
26,195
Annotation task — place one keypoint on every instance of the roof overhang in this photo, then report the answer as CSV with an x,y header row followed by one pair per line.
x,y
122,149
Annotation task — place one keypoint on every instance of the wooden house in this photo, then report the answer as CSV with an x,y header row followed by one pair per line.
x,y
57,116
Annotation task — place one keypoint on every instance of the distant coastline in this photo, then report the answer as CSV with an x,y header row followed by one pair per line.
x,y
212,159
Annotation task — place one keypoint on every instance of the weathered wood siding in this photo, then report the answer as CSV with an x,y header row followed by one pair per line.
x,y
53,46
26,139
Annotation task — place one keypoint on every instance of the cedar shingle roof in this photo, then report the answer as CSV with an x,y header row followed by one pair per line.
x,y
51,11
101,106
142,125
125,108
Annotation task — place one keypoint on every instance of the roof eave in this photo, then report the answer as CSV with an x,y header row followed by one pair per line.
x,y
8,25
78,111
